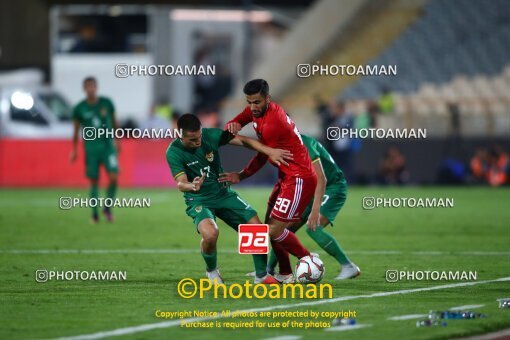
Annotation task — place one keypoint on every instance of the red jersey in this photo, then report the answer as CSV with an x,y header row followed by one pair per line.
x,y
276,130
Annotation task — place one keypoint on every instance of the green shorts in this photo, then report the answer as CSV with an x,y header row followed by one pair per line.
x,y
95,157
229,207
332,201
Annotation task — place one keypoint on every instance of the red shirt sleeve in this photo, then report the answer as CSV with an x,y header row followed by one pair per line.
x,y
243,118
256,163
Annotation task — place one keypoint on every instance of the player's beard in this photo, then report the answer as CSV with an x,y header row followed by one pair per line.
x,y
262,112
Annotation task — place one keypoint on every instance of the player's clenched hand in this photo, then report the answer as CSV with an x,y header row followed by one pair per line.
x,y
197,182
278,156
229,177
313,221
234,128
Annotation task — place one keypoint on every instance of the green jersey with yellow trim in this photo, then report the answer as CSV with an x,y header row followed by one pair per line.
x,y
195,162
99,115
318,152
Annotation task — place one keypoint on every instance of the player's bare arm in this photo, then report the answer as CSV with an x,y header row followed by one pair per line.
x,y
76,132
238,122
277,156
314,218
253,166
185,186
229,177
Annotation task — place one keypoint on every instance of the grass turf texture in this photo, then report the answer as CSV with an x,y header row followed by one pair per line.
x,y
31,220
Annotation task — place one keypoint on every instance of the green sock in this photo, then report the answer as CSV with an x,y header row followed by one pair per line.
x,y
260,261
94,193
111,190
271,263
327,242
211,261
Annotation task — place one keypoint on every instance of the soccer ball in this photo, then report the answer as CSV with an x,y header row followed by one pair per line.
x,y
309,269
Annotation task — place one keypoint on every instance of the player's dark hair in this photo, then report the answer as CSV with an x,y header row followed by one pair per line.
x,y
89,78
189,122
256,86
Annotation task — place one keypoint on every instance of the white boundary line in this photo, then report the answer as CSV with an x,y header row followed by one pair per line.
x,y
227,251
407,317
467,307
174,323
347,327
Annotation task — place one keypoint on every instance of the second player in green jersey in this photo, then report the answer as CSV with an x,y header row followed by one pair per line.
x,y
332,192
91,114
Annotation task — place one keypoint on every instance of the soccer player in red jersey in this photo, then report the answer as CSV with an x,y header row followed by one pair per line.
x,y
296,182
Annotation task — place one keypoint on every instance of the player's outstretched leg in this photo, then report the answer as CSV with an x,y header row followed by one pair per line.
x,y
209,232
270,266
331,246
283,239
284,275
272,261
285,270
110,193
94,193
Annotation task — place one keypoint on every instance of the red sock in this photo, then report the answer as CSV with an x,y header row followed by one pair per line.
x,y
283,258
291,243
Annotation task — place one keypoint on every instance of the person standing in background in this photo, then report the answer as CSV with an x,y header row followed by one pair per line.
x,y
92,113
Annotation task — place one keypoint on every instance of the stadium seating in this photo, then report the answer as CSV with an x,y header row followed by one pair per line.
x,y
456,52
448,40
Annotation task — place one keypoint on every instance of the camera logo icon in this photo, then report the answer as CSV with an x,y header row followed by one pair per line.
x,y
368,203
122,70
304,70
41,275
89,133
65,203
392,275
333,133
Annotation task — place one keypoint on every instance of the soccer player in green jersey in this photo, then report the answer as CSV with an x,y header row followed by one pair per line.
x,y
332,188
334,193
93,113
194,161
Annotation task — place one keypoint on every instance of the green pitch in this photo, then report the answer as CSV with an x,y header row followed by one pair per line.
x,y
151,245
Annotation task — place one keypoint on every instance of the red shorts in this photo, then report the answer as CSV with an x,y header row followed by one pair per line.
x,y
290,197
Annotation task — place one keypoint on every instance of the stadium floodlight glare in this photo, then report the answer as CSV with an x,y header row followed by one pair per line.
x,y
22,100
115,11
